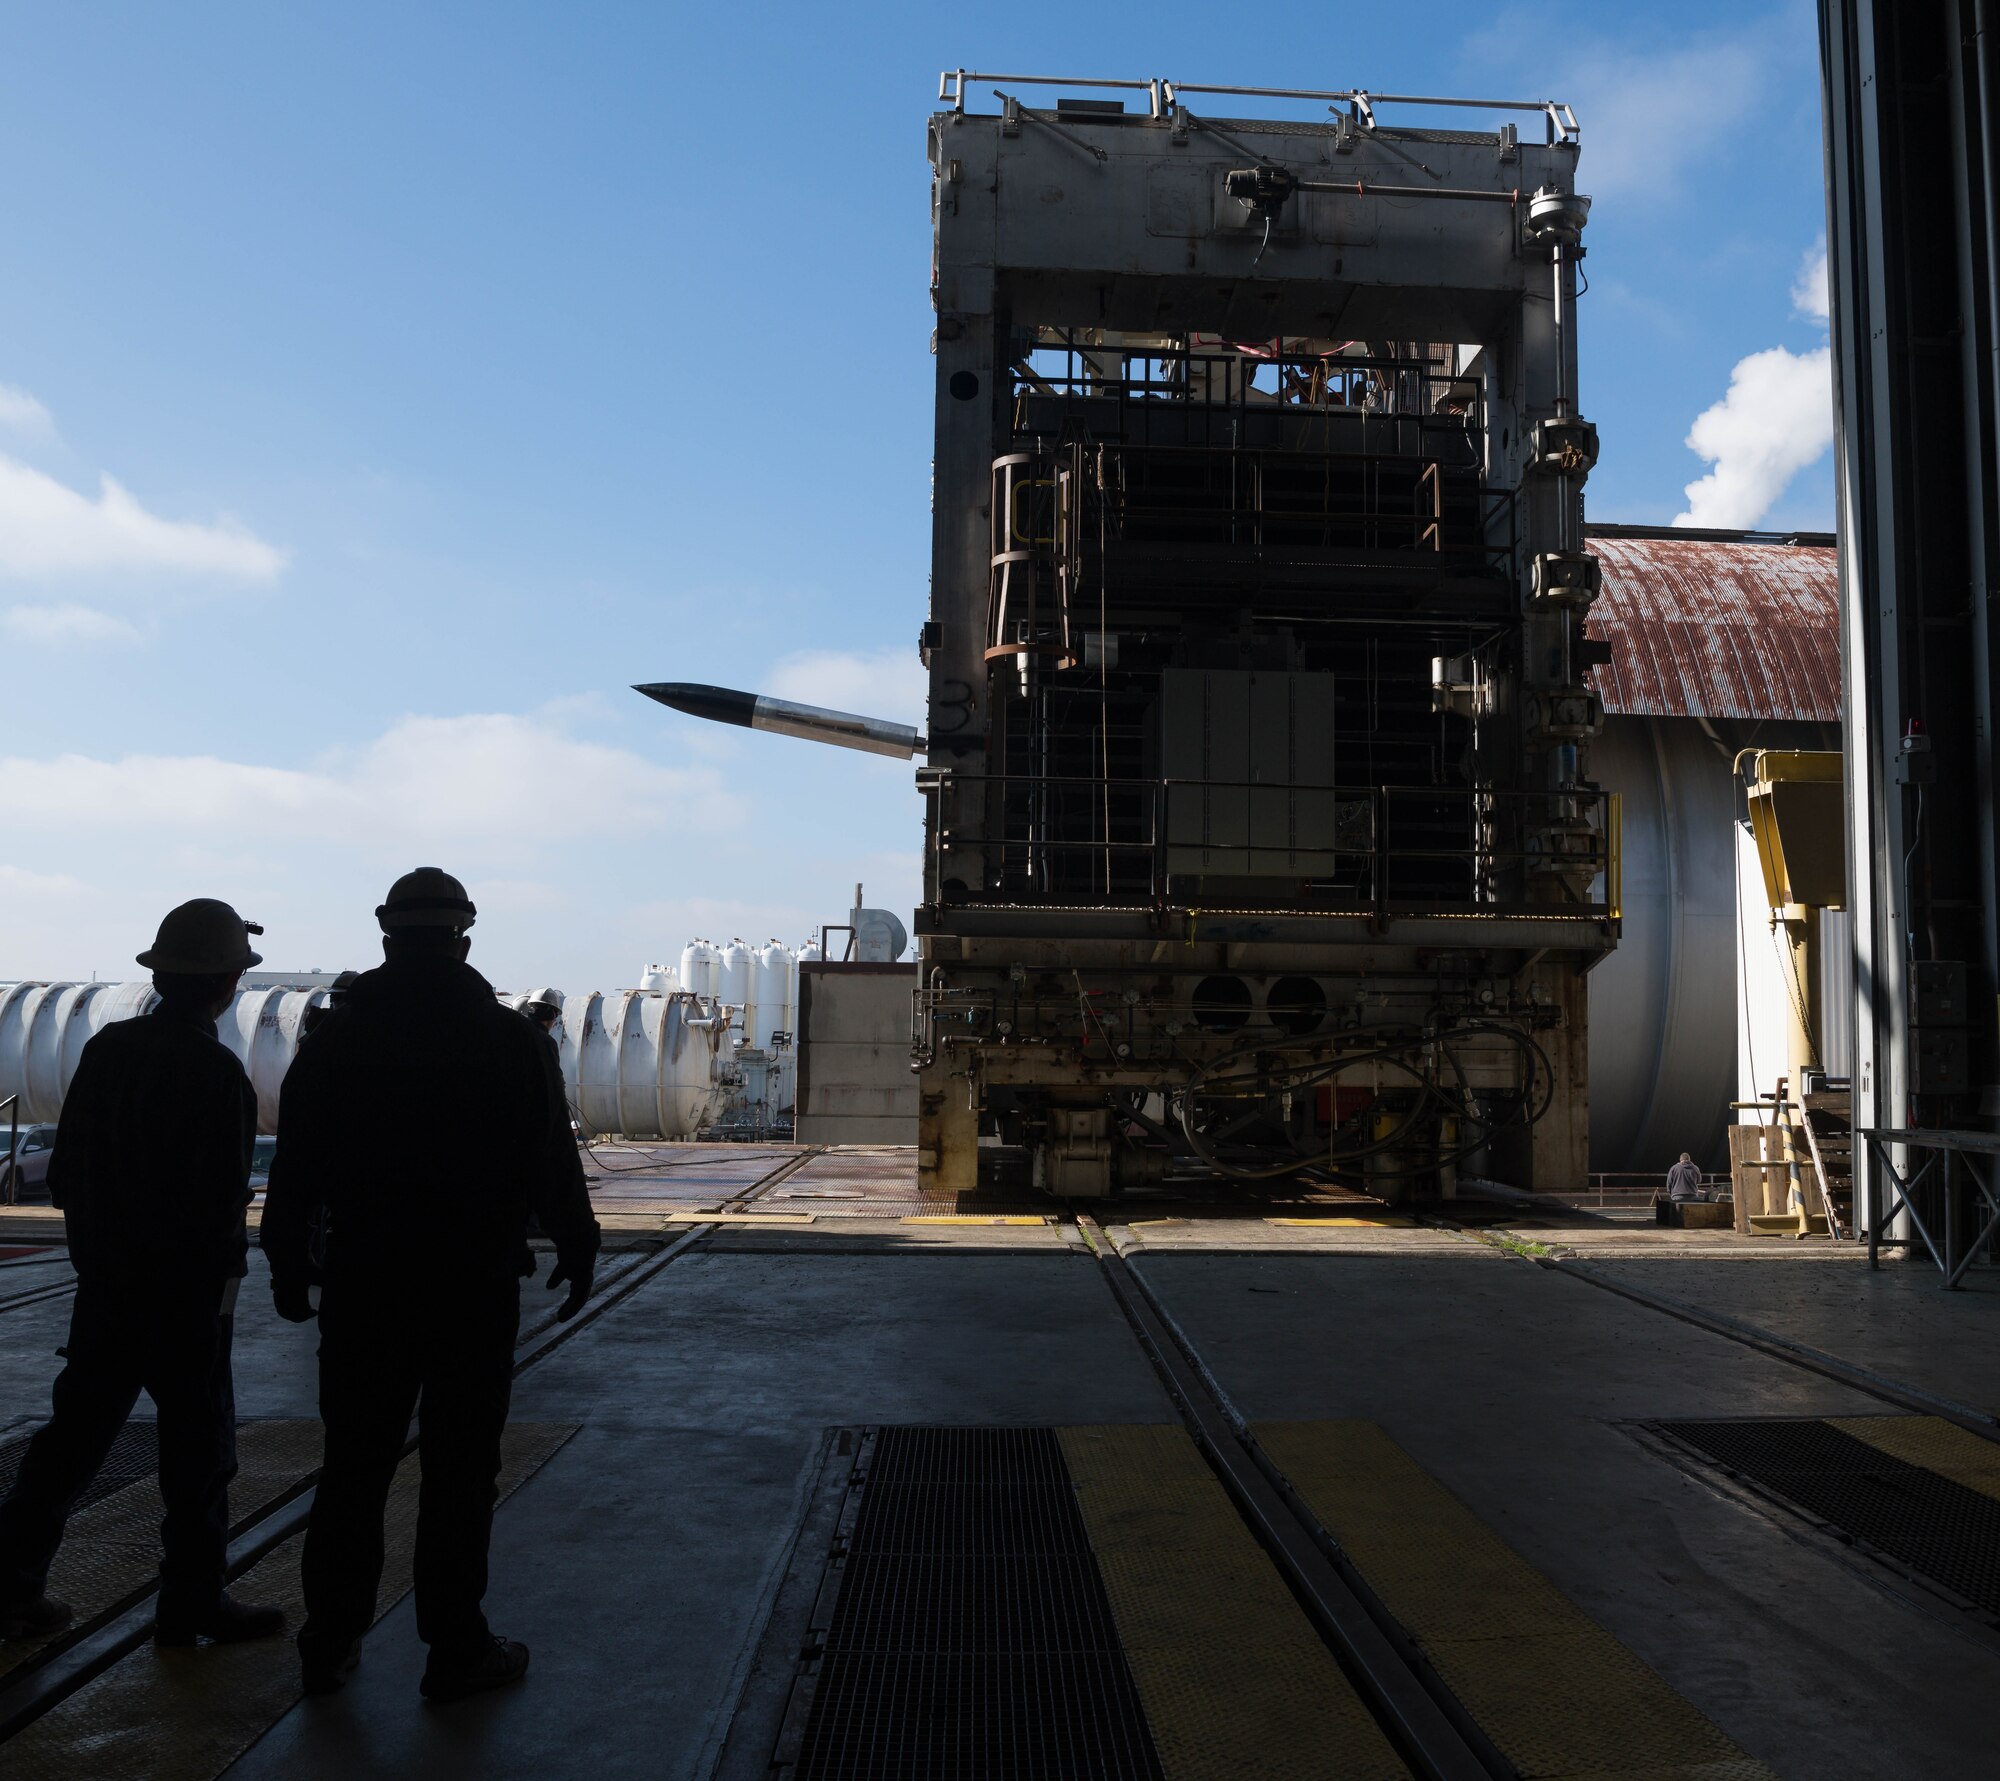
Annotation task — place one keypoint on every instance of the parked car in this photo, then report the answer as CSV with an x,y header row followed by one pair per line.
x,y
37,1144
24,1173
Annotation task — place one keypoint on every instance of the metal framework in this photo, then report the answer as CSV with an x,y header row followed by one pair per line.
x,y
1913,141
1259,821
1951,1164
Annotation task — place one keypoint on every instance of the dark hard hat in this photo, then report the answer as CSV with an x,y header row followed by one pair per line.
x,y
429,897
203,938
336,991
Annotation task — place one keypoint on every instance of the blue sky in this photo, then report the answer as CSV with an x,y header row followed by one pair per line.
x,y
454,366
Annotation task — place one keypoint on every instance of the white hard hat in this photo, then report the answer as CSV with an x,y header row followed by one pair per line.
x,y
429,897
545,998
204,938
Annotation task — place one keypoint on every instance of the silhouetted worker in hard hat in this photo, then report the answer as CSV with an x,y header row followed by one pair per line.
x,y
152,1171
543,1009
420,1293
336,996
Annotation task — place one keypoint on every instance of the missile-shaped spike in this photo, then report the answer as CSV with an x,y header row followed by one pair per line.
x,y
755,711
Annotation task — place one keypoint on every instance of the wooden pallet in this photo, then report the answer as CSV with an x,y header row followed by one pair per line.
x,y
1761,1162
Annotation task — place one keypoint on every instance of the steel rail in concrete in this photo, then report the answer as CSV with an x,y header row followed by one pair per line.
x,y
1797,1354
53,1289
128,1624
1432,1738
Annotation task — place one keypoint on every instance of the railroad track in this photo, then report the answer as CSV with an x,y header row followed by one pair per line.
x,y
37,1295
1421,1717
93,1645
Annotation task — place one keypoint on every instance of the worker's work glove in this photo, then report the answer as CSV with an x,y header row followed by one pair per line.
x,y
579,1272
294,1303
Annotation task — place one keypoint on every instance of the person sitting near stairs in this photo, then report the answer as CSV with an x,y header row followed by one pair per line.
x,y
1684,1180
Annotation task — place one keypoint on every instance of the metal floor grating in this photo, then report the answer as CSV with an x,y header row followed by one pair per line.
x,y
134,1455
1924,1522
970,1637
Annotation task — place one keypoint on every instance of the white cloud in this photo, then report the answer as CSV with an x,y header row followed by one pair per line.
x,y
22,413
1809,296
66,622
1631,105
18,881
887,683
49,529
495,787
1775,420
1650,113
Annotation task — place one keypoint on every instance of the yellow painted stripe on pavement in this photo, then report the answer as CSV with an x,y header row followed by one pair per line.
x,y
1556,1692
1931,1442
1387,1221
1235,1683
970,1218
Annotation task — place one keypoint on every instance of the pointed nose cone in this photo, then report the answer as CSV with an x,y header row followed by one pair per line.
x,y
717,703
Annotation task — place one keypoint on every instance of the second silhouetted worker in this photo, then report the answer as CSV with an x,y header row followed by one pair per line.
x,y
428,1121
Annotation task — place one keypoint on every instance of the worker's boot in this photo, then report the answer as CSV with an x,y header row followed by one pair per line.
x,y
324,1674
229,1622
494,1664
33,1617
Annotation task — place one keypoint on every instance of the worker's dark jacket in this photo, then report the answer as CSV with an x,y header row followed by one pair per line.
x,y
429,1121
152,1155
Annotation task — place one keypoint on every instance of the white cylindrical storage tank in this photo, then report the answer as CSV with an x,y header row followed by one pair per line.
x,y
263,1027
735,985
45,1026
773,989
808,954
1663,1005
43,1030
659,980
698,969
639,1065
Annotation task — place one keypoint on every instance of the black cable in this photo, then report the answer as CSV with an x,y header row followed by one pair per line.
x,y
1432,1090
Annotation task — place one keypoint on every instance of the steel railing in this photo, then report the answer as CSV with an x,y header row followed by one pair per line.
x,y
1164,97
12,1107
1377,851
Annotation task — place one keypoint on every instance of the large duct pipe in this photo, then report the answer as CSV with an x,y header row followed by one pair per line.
x,y
635,1063
1663,1005
45,1026
641,1065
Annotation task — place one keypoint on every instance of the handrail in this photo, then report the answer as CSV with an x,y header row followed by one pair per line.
x,y
1163,97
1362,845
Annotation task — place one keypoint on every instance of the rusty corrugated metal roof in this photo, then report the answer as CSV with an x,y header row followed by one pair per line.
x,y
1708,627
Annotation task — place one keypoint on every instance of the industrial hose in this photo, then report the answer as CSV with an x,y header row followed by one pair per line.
x,y
1434,1092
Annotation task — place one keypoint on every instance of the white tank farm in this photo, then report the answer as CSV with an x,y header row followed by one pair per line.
x,y
45,1026
647,1063
638,1064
